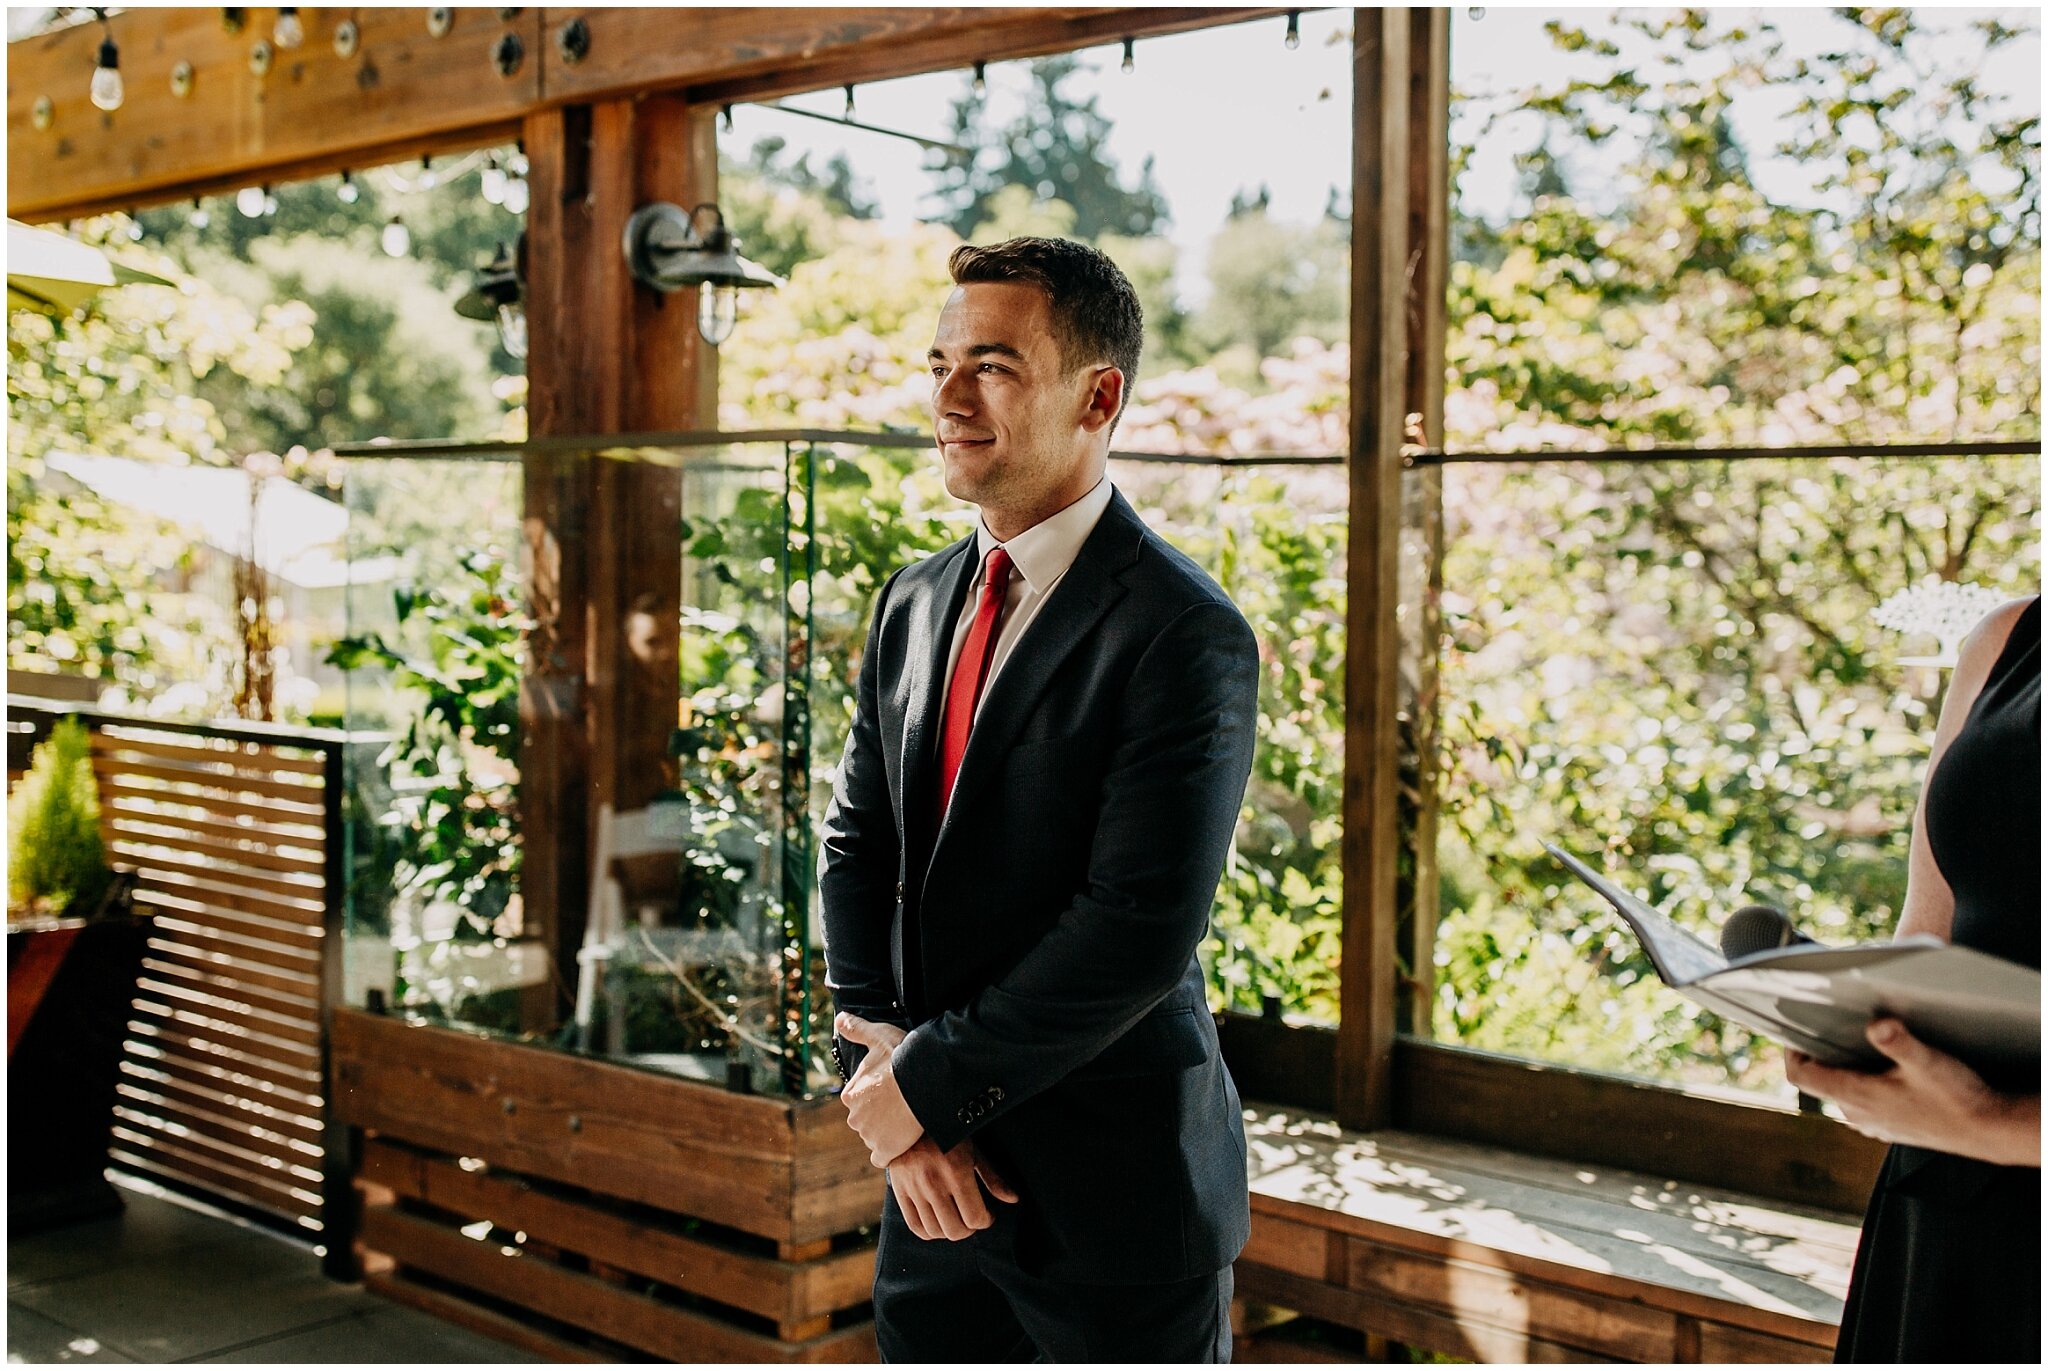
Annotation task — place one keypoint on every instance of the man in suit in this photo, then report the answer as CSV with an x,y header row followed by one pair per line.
x,y
1049,749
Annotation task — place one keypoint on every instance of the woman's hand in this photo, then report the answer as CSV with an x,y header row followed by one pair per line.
x,y
1927,1099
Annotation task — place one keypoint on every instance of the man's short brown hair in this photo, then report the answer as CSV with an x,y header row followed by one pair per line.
x,y
1095,312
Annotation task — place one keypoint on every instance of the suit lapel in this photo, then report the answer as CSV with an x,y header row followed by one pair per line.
x,y
1091,585
935,618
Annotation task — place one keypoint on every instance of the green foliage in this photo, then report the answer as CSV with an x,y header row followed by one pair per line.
x,y
457,822
1677,660
123,376
56,860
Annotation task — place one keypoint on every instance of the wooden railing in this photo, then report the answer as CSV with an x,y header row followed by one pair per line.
x,y
234,832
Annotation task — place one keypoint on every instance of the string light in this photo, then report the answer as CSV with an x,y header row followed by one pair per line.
x,y
1293,39
199,218
290,32
981,78
396,239
1130,55
250,199
107,91
849,102
493,180
350,192
428,179
517,195
725,113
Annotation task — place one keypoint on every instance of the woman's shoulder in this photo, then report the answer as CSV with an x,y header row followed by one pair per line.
x,y
1986,643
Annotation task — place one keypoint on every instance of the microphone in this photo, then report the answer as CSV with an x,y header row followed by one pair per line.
x,y
1757,928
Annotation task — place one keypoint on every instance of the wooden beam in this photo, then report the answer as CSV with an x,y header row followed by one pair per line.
x,y
1422,517
1379,378
404,93
606,355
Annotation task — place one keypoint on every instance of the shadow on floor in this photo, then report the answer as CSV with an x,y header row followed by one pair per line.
x,y
169,1280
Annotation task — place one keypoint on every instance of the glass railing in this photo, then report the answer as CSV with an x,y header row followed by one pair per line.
x,y
701,951
1682,671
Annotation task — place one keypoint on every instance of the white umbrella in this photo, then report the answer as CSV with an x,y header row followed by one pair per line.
x,y
54,274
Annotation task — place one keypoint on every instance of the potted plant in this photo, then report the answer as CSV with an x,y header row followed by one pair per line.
x,y
74,949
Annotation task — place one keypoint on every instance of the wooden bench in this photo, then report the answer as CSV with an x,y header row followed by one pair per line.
x,y
1479,1253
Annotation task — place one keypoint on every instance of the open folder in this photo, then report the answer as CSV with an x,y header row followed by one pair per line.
x,y
1982,1009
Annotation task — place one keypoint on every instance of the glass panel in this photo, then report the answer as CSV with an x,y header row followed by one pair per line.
x,y
1676,669
702,952
687,960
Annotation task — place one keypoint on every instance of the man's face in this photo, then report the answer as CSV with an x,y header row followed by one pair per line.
x,y
1011,425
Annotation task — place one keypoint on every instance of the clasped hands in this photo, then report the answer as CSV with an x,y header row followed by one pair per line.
x,y
936,1190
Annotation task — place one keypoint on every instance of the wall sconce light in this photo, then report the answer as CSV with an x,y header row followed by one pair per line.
x,y
668,249
499,295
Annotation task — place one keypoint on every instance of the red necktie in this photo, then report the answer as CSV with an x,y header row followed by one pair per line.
x,y
968,677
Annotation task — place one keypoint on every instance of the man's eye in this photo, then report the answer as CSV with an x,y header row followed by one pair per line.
x,y
990,366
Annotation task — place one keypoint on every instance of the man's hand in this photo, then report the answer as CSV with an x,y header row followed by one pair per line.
x,y
1926,1099
937,1193
874,1103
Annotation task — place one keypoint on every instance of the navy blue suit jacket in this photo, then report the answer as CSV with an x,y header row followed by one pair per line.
x,y
1041,943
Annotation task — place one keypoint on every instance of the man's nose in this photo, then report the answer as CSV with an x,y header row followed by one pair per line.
x,y
955,395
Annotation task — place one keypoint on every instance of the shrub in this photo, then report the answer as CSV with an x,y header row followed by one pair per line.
x,y
56,860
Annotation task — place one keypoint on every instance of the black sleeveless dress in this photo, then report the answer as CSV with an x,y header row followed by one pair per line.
x,y
1949,1267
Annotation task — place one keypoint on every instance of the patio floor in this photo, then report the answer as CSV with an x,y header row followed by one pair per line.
x,y
170,1280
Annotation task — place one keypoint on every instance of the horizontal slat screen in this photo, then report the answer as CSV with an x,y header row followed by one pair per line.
x,y
222,1075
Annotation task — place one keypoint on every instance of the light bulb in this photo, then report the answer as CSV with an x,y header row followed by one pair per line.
x,y
1293,29
849,102
269,203
289,32
493,180
135,230
107,90
200,218
397,238
249,200
1130,55
349,192
512,329
718,309
517,195
981,78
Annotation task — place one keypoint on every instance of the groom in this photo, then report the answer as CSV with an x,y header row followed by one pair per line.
x,y
1049,749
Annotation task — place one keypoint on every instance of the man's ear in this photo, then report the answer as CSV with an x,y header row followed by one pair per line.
x,y
1105,399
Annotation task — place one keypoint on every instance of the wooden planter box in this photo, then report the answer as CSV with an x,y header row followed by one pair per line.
x,y
594,1211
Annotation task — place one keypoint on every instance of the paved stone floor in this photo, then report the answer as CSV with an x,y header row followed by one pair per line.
x,y
169,1280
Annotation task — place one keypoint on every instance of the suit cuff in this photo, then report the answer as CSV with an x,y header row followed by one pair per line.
x,y
949,1108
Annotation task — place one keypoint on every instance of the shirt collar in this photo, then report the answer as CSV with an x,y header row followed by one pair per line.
x,y
1044,551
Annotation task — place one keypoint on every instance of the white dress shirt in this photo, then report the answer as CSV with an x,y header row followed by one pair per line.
x,y
1039,557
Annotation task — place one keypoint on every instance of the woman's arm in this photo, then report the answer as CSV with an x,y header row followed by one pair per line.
x,y
1930,905
1928,1098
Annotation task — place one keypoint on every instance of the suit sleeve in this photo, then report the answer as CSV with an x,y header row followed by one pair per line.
x,y
1170,802
862,855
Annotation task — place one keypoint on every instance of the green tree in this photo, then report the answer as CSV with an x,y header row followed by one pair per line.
x,y
1677,660
1057,149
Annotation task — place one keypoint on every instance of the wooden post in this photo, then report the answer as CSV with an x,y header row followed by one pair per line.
x,y
1379,382
606,356
1422,560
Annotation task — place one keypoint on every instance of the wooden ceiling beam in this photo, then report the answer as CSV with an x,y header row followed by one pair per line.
x,y
404,92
